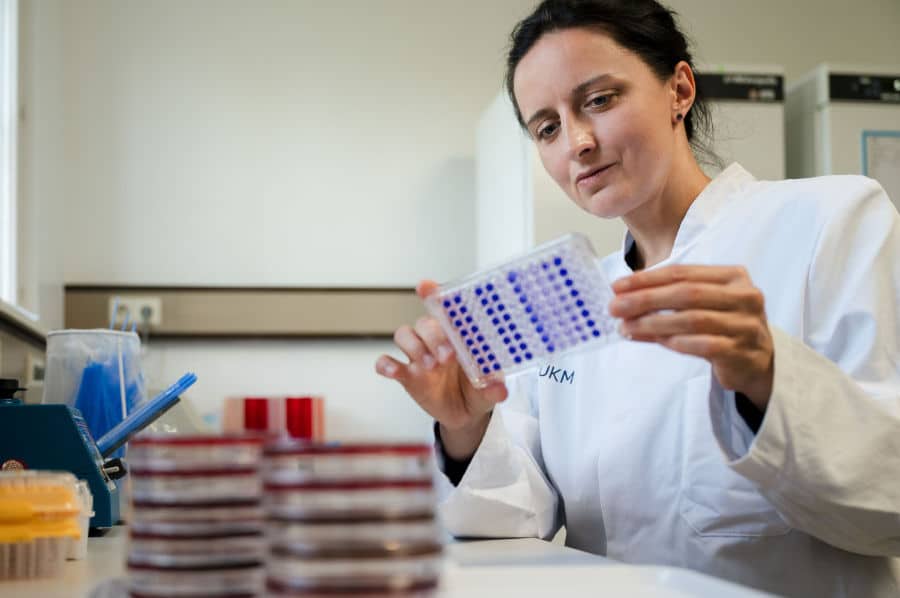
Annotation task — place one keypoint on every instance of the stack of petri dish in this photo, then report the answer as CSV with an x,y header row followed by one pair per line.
x,y
353,520
39,520
197,522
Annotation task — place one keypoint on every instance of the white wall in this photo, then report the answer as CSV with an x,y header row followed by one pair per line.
x,y
42,162
308,142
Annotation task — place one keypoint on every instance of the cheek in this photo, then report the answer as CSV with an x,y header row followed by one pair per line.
x,y
557,166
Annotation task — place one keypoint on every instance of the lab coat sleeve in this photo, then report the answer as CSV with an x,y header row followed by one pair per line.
x,y
827,455
504,492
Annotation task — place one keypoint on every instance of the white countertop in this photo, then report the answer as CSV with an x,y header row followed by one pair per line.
x,y
475,569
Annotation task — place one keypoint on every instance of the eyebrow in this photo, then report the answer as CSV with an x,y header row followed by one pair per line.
x,y
578,90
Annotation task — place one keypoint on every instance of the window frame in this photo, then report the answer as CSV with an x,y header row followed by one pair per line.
x,y
9,110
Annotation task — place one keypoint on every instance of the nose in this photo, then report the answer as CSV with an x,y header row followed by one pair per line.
x,y
581,138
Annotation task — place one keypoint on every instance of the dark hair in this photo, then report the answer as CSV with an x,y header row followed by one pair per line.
x,y
644,27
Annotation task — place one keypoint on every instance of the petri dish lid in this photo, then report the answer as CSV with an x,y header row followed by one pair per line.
x,y
193,473
194,440
284,446
351,486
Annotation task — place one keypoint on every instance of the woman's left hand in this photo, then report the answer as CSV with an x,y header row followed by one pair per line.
x,y
713,312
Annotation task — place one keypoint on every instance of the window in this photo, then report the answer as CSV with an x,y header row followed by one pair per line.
x,y
8,118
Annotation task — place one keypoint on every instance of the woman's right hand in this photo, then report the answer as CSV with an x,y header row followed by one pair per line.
x,y
435,380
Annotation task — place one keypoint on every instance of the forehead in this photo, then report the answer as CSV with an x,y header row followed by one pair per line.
x,y
561,60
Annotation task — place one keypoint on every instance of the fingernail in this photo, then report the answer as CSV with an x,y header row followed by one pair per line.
x,y
623,330
428,361
388,369
444,353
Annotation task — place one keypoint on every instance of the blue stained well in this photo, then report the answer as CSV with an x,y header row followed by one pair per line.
x,y
474,328
574,293
590,323
517,336
595,332
457,323
584,337
491,357
511,277
523,299
452,313
457,299
563,272
480,339
470,342
579,303
534,319
484,301
512,326
478,291
517,288
528,309
506,340
495,297
512,350
468,319
557,261
523,346
489,287
475,351
545,339
539,329
501,330
496,366
501,307
486,370
585,313
463,309
528,356
480,360
446,303
507,318
545,265
550,348
518,359
464,333
568,282
485,348
495,321
490,311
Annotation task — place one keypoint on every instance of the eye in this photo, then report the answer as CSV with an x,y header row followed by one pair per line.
x,y
547,131
599,101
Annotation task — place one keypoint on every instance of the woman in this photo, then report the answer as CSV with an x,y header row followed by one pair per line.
x,y
750,427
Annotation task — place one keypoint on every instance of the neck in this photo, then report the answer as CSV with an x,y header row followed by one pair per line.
x,y
654,225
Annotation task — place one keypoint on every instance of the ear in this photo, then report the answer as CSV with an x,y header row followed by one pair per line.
x,y
683,89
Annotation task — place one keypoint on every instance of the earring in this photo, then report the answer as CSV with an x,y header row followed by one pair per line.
x,y
679,117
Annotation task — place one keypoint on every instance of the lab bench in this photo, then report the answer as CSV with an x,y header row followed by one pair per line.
x,y
521,567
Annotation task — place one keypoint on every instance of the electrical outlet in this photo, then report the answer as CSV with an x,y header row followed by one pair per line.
x,y
141,309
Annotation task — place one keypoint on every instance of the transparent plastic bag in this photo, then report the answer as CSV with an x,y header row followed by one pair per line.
x,y
98,372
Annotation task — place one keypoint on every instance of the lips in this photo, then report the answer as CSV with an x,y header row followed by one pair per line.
x,y
589,175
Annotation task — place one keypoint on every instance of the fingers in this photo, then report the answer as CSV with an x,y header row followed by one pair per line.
x,y
687,295
701,345
680,273
426,288
655,325
412,345
389,367
432,335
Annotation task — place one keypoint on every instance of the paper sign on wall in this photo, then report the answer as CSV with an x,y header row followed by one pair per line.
x,y
881,160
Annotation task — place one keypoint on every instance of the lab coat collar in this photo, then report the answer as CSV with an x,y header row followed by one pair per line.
x,y
702,211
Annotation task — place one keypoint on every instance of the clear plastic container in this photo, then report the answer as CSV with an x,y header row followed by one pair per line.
x,y
350,500
291,462
167,452
398,571
206,551
341,536
200,486
507,319
232,582
78,547
203,528
38,522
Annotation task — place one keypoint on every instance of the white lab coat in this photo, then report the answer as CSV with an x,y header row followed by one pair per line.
x,y
642,455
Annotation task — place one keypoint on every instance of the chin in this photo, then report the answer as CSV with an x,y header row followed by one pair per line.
x,y
604,204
